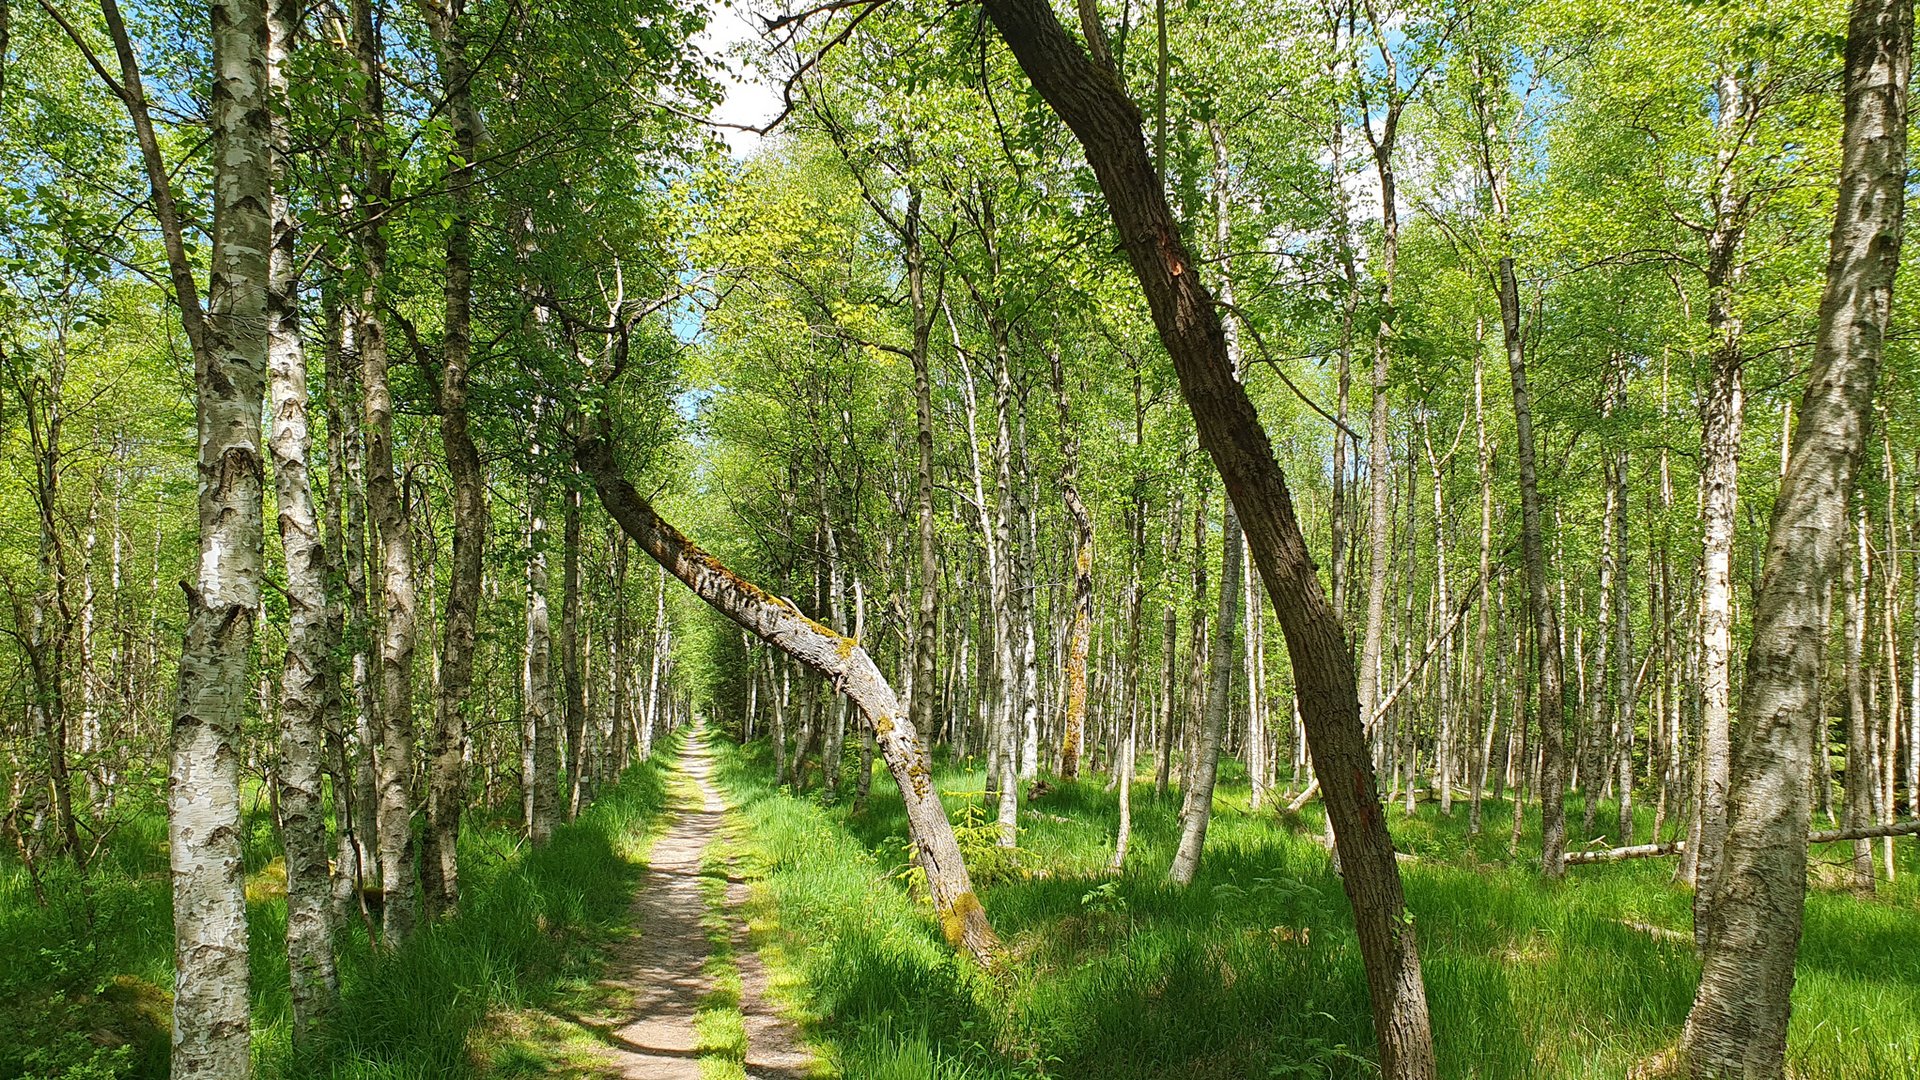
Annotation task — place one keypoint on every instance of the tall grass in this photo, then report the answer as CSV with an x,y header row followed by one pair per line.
x,y
1252,971
84,979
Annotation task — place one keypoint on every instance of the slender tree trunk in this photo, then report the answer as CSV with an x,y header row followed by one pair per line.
x,y
1129,722
1481,726
1626,677
1546,623
573,684
540,758
1169,653
386,506
1738,1024
1379,448
1722,415
1108,128
307,671
1074,722
446,779
1443,608
1859,779
926,616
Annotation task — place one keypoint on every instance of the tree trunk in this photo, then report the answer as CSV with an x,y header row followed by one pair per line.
x,y
1738,1024
926,615
1379,449
835,657
573,685
386,505
446,772
1169,653
540,754
230,343
307,672
1107,125
1722,415
1479,725
1859,780
1546,623
1074,722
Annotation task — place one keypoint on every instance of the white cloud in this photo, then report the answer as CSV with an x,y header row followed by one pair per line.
x,y
733,38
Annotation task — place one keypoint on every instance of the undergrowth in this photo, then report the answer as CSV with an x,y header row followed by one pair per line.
x,y
86,977
1253,971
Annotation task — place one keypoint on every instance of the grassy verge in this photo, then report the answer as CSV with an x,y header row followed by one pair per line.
x,y
1252,972
84,993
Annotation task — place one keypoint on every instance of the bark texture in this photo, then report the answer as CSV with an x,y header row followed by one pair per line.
x,y
446,769
1546,621
306,674
210,1003
1738,1024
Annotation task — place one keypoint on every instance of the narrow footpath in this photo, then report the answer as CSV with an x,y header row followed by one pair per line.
x,y
661,973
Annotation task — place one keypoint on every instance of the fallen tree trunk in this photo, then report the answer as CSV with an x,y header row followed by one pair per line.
x,y
1636,851
1677,847
840,660
1869,832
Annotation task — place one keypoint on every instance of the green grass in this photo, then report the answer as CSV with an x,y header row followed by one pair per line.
x,y
91,998
1252,972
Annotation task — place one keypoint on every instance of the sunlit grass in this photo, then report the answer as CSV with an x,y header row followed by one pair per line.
x,y
85,983
1252,971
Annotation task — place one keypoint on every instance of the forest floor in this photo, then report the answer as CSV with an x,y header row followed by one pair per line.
x,y
684,996
1251,971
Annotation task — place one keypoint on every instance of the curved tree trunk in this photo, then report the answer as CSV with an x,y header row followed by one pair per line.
x,y
837,658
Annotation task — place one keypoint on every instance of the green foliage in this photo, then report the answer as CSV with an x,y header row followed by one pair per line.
x,y
89,1000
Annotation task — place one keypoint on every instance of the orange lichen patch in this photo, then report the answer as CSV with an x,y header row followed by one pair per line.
x,y
953,921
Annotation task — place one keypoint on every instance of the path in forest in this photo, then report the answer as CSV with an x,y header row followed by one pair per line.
x,y
658,972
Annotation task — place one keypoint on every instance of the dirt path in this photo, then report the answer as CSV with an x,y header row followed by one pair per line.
x,y
659,971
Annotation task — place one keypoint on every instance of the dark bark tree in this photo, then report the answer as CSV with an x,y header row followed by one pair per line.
x,y
1096,107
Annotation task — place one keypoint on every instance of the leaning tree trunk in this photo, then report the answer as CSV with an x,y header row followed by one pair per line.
x,y
1095,105
1738,1024
837,658
307,673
